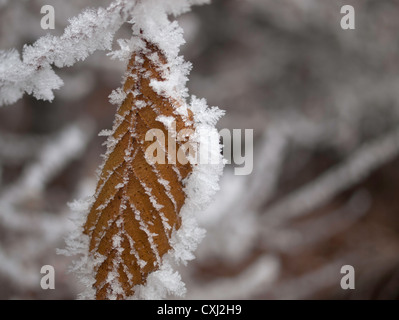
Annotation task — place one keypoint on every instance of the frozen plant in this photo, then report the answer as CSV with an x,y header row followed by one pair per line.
x,y
142,219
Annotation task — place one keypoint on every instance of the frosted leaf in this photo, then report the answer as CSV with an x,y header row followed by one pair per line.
x,y
142,218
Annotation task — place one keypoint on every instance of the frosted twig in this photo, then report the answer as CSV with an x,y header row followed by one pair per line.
x,y
54,156
256,278
337,179
19,263
270,158
306,234
16,272
90,31
310,283
268,164
235,212
327,276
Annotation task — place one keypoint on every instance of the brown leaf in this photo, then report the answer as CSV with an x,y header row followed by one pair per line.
x,y
134,214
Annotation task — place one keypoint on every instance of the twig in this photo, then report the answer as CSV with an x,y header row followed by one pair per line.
x,y
256,278
306,234
54,156
359,165
88,32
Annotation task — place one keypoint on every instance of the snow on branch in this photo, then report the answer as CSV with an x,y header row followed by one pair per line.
x,y
39,230
289,240
16,272
257,277
156,206
358,166
32,73
90,31
53,157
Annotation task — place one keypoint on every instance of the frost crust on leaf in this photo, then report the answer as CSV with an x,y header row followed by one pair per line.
x,y
151,27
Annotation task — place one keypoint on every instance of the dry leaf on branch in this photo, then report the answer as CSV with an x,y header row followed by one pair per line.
x,y
160,170
137,204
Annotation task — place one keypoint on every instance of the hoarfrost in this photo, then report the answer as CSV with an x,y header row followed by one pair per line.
x,y
117,96
150,21
90,31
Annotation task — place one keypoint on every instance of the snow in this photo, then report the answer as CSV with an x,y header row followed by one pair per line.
x,y
16,78
166,186
105,133
161,283
117,96
140,104
200,188
32,72
90,31
154,202
150,21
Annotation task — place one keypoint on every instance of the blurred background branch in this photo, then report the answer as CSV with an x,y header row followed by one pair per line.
x,y
324,106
